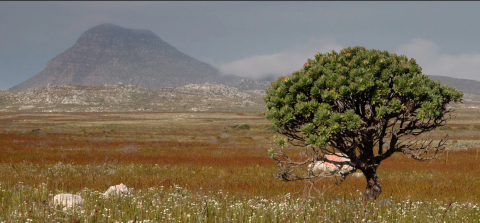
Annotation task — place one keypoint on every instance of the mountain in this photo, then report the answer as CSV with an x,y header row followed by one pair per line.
x,y
108,53
465,85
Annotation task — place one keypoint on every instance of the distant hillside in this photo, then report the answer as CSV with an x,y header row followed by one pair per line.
x,y
108,53
191,97
465,85
120,97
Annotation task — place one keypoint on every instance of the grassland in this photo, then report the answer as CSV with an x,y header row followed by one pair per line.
x,y
208,167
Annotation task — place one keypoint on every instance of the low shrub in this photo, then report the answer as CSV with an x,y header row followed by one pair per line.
x,y
241,127
445,127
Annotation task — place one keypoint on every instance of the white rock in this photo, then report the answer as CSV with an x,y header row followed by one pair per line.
x,y
329,168
117,190
358,174
67,201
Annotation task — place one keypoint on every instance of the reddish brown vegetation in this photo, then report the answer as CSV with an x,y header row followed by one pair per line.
x,y
195,154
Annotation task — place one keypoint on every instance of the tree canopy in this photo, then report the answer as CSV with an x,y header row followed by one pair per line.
x,y
366,104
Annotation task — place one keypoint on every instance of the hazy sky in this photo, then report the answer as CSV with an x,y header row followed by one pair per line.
x,y
251,39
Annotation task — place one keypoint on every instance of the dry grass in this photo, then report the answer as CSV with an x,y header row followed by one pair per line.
x,y
68,152
187,143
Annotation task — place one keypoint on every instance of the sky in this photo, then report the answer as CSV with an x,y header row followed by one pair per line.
x,y
251,39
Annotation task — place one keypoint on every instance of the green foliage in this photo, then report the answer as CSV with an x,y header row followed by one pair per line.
x,y
104,132
241,127
445,127
270,128
35,131
282,142
329,94
272,153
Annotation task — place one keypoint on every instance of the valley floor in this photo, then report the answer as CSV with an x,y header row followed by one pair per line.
x,y
212,166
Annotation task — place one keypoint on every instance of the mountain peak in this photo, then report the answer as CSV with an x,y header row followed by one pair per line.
x,y
109,28
108,34
108,53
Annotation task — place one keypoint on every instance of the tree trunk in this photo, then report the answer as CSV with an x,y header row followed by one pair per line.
x,y
374,188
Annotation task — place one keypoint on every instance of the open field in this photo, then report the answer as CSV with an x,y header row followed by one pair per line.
x,y
203,167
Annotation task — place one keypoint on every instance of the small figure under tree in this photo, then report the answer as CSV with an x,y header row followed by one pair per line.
x,y
365,104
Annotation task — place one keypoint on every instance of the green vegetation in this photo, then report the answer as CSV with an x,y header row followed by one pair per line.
x,y
366,104
241,127
445,127
178,204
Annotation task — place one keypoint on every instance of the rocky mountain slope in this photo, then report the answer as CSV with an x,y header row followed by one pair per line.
x,y
108,53
121,98
465,85
246,95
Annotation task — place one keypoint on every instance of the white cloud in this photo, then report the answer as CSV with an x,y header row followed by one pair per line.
x,y
426,52
428,56
281,63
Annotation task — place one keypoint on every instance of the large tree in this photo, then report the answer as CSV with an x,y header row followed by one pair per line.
x,y
364,104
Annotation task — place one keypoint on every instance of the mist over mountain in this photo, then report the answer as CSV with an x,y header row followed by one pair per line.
x,y
108,53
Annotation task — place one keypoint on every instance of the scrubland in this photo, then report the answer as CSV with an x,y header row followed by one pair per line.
x,y
213,167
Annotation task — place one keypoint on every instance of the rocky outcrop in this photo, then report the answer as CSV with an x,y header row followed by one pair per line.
x,y
73,201
247,84
108,53
67,201
212,89
121,97
337,165
117,191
